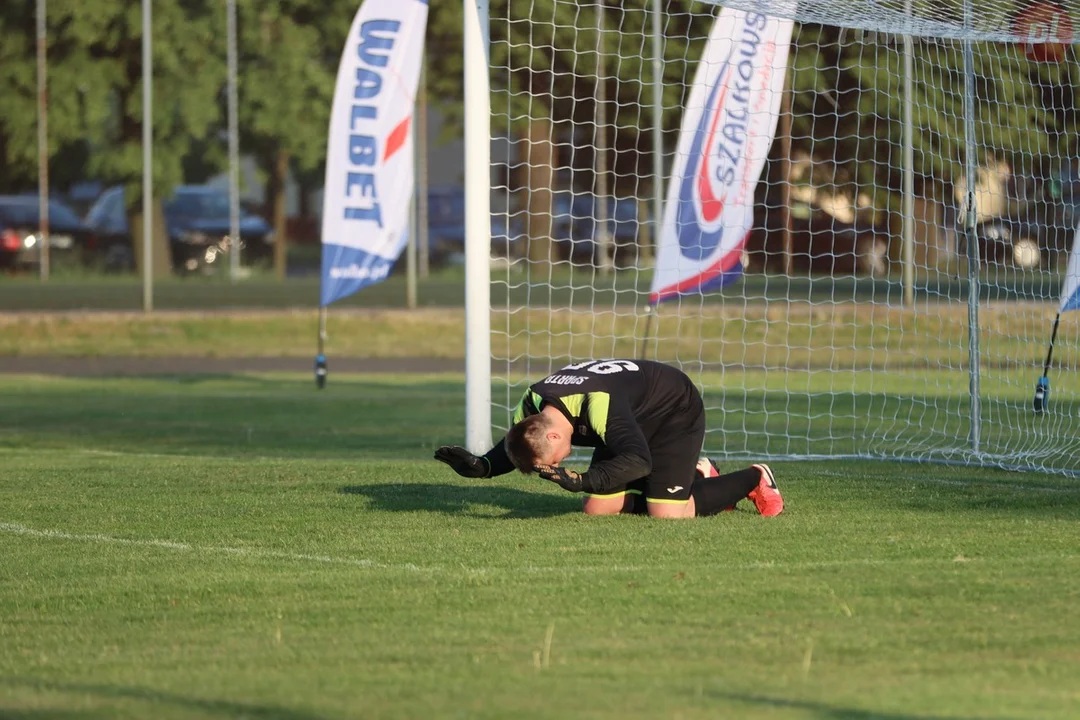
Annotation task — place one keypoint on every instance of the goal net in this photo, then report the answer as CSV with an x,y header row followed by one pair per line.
x,y
894,267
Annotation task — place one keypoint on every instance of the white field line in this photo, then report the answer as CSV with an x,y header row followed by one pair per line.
x,y
178,456
23,530
15,529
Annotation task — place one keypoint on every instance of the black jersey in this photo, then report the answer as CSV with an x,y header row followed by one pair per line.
x,y
619,405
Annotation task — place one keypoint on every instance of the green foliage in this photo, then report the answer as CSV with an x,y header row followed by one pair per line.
x,y
545,65
849,107
287,89
288,58
95,79
848,102
552,53
848,94
288,55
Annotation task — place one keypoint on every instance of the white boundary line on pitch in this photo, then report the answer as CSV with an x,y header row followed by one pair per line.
x,y
15,529
93,452
23,530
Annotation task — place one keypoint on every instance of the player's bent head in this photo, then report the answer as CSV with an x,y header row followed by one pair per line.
x,y
527,444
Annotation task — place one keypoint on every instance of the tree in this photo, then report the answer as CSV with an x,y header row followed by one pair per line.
x,y
849,104
546,85
95,76
289,54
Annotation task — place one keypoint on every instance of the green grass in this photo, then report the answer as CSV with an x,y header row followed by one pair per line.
x,y
802,336
244,546
565,286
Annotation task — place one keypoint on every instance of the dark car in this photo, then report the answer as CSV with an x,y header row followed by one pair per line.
x,y
446,227
822,244
575,220
197,221
1038,227
572,226
20,248
1008,242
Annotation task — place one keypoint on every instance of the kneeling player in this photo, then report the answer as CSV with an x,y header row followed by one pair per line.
x,y
646,421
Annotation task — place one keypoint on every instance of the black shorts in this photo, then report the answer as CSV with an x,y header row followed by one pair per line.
x,y
675,448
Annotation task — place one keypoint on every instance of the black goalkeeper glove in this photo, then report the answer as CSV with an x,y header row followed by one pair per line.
x,y
464,462
566,479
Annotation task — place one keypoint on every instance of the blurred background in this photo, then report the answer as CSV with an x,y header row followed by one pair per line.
x,y
830,202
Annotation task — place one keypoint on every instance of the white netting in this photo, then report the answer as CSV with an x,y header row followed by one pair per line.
x,y
995,20
816,351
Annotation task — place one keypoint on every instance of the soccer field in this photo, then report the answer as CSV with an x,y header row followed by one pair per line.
x,y
244,546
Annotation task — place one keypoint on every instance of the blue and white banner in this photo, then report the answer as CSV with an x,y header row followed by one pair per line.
x,y
369,161
727,130
1070,289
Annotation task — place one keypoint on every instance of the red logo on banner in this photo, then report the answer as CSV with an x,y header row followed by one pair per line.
x,y
1047,30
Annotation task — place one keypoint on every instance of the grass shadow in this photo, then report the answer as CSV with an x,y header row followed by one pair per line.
x,y
827,712
995,498
464,500
206,706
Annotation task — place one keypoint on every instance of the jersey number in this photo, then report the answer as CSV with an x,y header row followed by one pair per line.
x,y
604,367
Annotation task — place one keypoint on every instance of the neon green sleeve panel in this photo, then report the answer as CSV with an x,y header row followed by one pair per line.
x,y
573,403
529,405
599,405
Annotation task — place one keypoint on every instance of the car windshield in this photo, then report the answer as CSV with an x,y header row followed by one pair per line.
x,y
626,209
446,208
25,212
201,204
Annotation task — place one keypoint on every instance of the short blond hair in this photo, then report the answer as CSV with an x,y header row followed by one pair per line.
x,y
527,441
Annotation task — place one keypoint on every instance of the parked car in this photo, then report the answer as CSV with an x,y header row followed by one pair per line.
x,y
1037,228
574,226
1049,221
20,246
1008,242
446,228
822,244
81,196
197,221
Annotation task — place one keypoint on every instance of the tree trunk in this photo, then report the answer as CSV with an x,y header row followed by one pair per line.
x,y
786,117
645,239
540,163
275,206
160,246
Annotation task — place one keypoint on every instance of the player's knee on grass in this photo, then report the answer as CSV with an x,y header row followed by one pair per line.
x,y
675,511
609,505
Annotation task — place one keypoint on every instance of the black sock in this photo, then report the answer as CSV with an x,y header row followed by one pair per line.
x,y
716,494
638,504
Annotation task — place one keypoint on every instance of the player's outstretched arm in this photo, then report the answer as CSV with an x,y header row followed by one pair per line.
x,y
498,461
463,462
493,463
